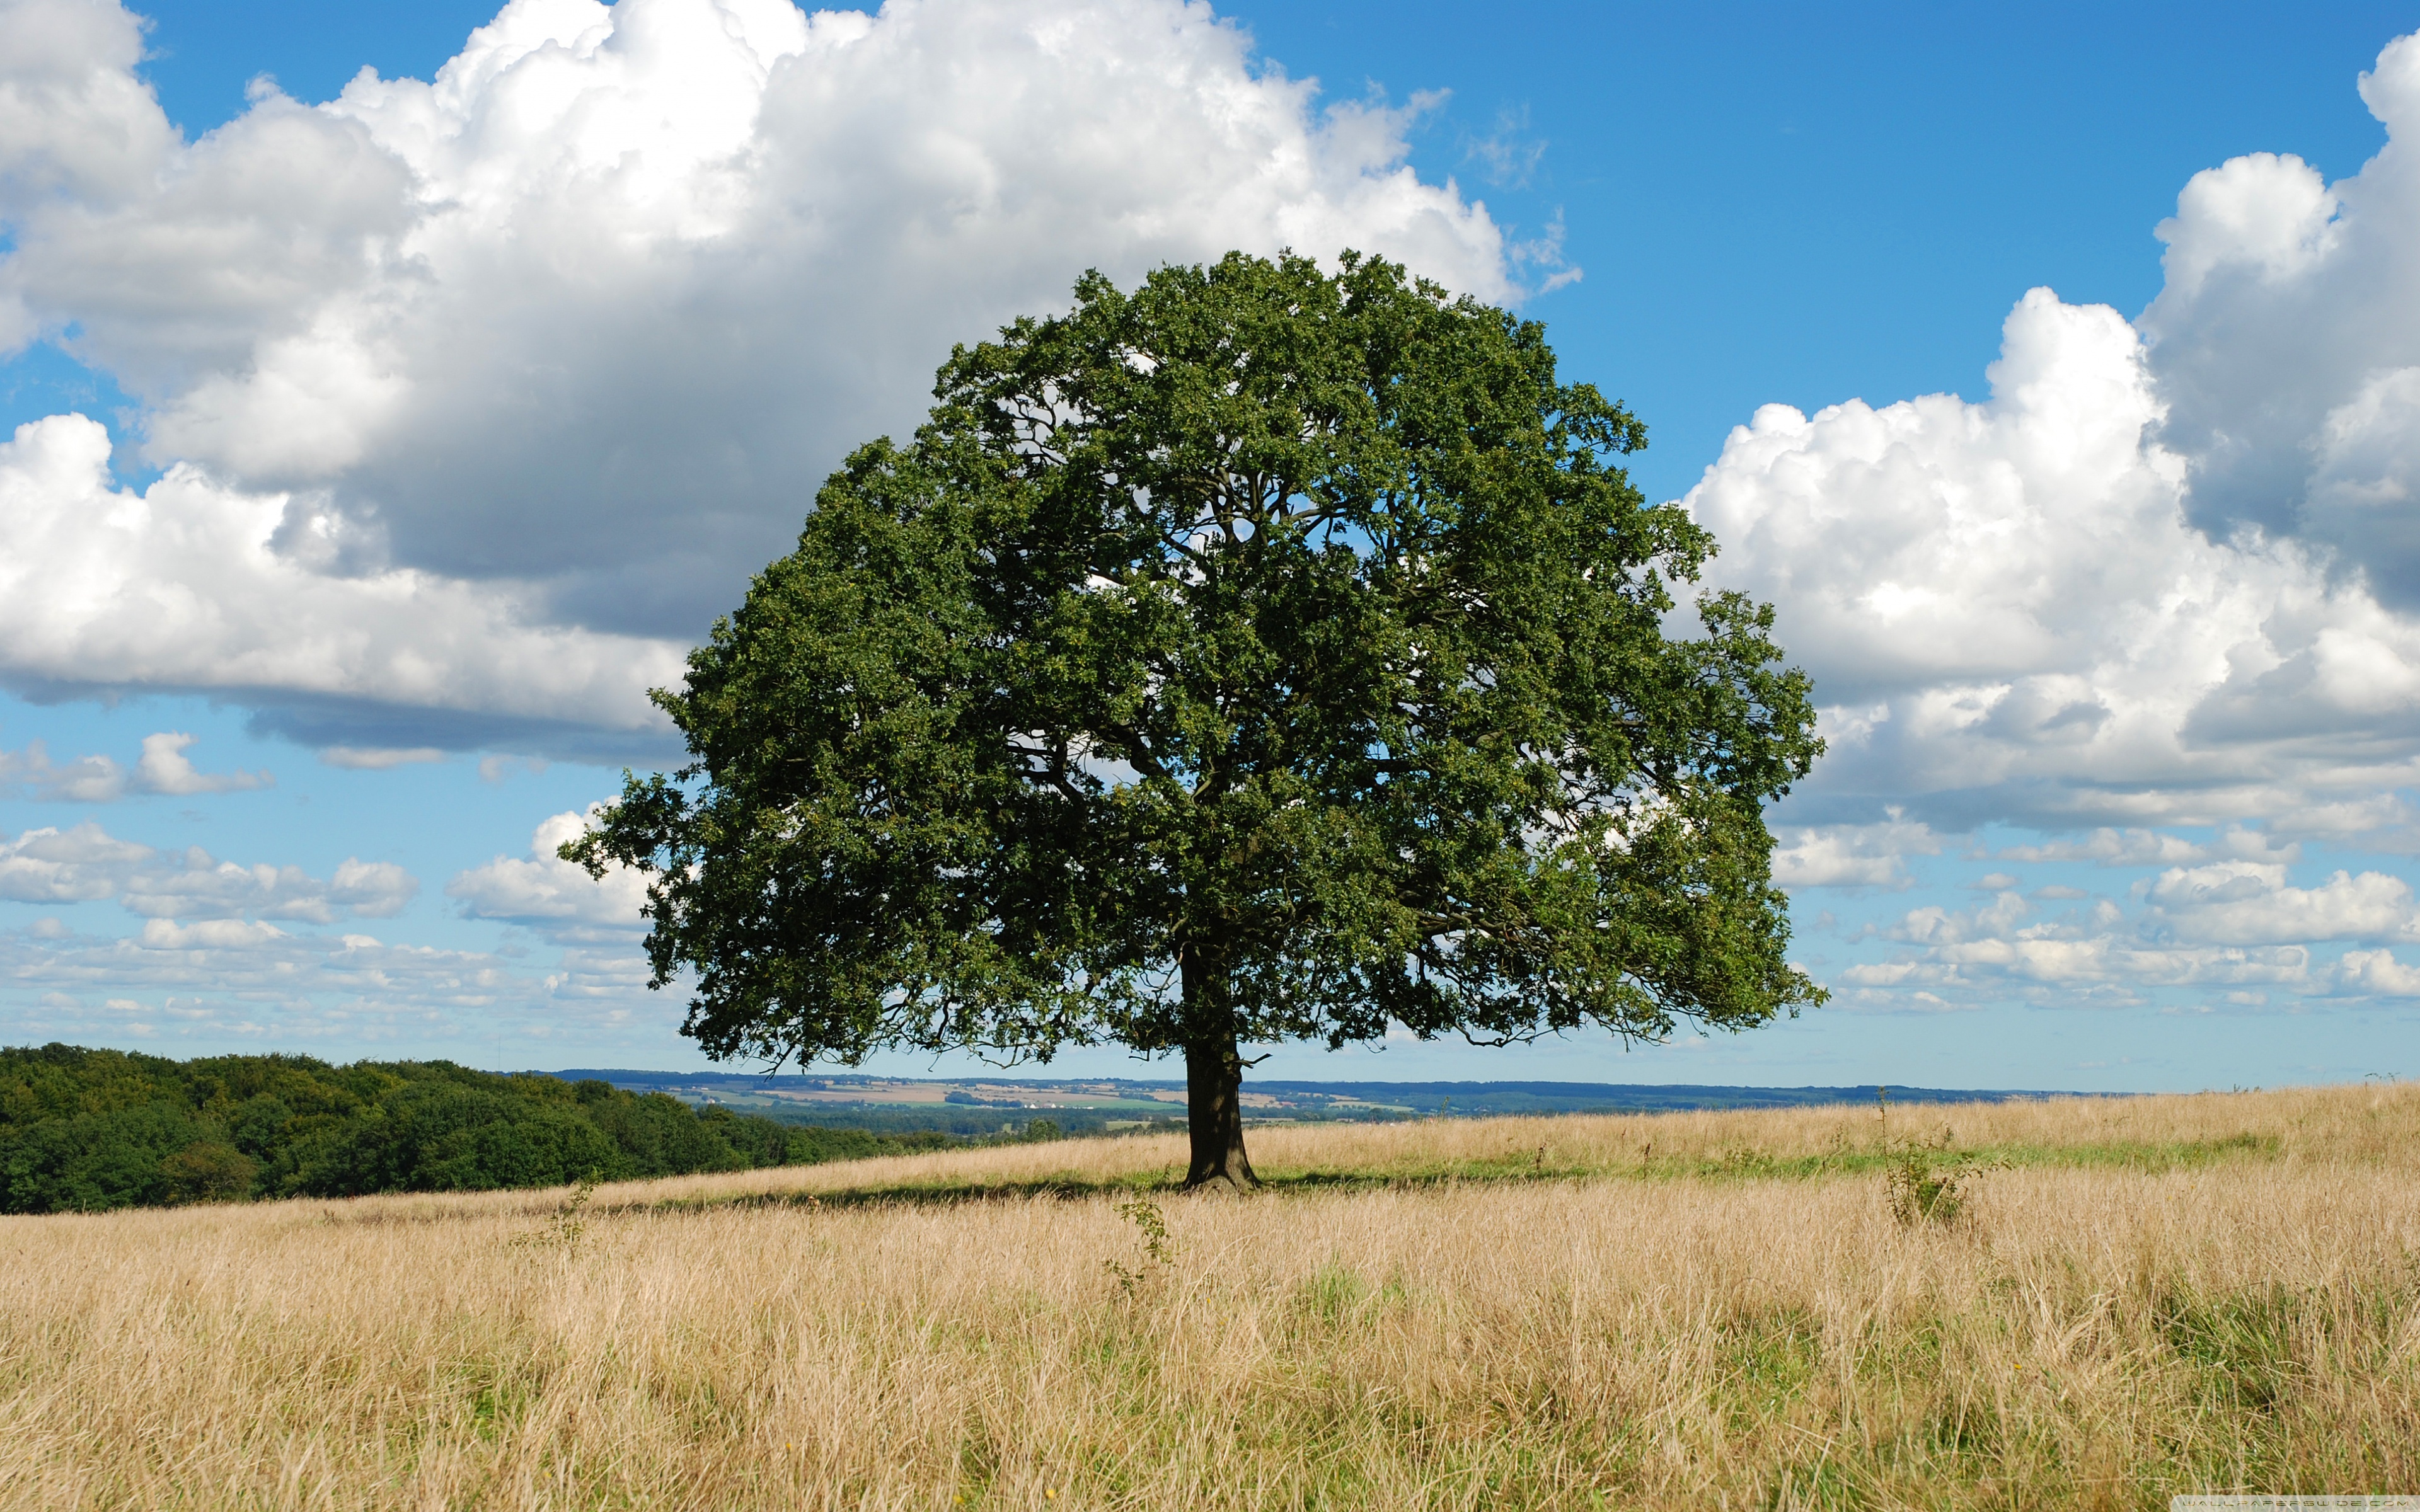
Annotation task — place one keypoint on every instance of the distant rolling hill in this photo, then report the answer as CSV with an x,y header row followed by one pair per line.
x,y
1094,1103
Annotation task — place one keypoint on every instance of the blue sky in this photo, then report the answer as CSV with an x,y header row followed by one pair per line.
x,y
422,428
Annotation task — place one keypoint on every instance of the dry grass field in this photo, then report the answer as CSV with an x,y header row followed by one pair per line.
x,y
2130,1299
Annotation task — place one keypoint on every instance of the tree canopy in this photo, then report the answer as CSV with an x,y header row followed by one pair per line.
x,y
1260,655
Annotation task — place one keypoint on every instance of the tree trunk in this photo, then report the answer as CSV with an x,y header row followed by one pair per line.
x,y
1214,1111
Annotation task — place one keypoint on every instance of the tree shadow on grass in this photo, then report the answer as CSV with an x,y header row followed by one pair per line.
x,y
1733,1167
1072,1189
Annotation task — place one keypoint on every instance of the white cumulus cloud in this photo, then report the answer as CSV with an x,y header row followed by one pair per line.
x,y
551,894
2165,573
77,865
2286,345
86,863
184,586
163,767
2094,953
2235,934
1850,856
2376,974
204,965
209,979
84,779
2009,616
2249,902
589,315
194,885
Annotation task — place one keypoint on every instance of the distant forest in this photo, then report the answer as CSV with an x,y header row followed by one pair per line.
x,y
83,1131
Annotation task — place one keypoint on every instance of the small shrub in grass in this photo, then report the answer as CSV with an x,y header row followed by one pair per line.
x,y
569,1221
1930,1183
1926,1182
1158,1249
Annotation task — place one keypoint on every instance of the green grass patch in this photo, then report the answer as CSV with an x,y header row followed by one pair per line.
x,y
1533,1165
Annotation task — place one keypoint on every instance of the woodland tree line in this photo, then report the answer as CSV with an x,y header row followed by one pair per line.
x,y
82,1131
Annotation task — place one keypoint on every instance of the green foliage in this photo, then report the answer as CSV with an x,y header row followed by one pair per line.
x,y
1258,654
83,1131
207,1170
1928,1182
562,1230
114,1157
1158,1247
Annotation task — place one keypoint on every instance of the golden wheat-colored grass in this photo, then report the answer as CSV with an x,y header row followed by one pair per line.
x,y
1719,1311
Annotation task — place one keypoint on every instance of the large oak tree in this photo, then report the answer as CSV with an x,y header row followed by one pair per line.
x,y
1262,655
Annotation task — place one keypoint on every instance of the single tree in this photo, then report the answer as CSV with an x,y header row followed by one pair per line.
x,y
1257,656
